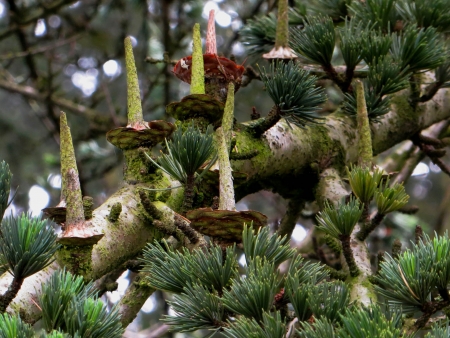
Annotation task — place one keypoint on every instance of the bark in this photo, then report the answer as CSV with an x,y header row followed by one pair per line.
x,y
283,164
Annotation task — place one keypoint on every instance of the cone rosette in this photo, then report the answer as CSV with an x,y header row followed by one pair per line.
x,y
218,71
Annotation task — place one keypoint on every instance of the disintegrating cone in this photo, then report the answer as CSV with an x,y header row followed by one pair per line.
x,y
218,71
196,105
147,136
282,53
137,133
224,224
56,214
76,231
216,68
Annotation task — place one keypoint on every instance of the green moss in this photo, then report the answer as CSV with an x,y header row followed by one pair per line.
x,y
365,138
406,119
133,94
114,214
76,259
198,73
68,160
88,204
137,169
282,33
245,142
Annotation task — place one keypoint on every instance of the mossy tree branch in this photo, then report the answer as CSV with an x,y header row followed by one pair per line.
x,y
284,154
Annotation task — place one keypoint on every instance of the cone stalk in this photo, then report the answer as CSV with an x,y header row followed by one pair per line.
x,y
365,138
135,116
198,73
69,175
227,201
211,46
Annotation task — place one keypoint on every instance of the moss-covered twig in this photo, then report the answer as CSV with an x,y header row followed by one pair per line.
x,y
430,91
193,236
336,274
289,220
149,207
396,248
348,255
418,234
368,227
133,300
260,126
333,244
10,294
244,156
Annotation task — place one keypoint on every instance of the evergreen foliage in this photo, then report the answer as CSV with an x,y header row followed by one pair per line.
x,y
439,332
381,13
337,9
340,220
254,294
14,327
294,91
385,77
262,244
386,42
364,183
418,50
187,152
272,327
374,44
371,322
27,245
408,281
426,14
57,297
328,299
259,34
316,41
351,40
90,318
323,327
376,106
173,270
389,199
196,308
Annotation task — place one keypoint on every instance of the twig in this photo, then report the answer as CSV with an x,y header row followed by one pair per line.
x,y
348,254
102,122
289,220
260,126
430,91
367,228
154,61
42,49
135,297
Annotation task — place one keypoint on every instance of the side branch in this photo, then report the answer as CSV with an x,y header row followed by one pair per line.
x,y
92,115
